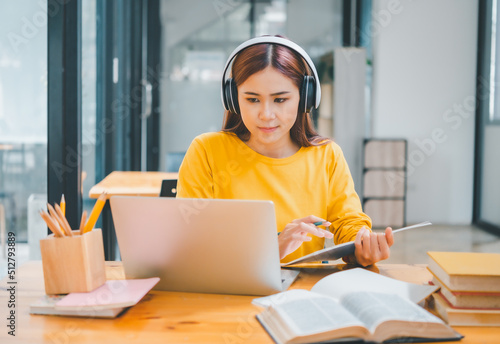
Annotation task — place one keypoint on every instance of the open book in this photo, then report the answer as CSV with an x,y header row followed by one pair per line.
x,y
341,250
336,309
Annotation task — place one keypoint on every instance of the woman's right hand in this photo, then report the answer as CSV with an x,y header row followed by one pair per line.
x,y
296,232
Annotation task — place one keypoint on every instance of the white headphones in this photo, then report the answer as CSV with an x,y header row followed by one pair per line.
x,y
310,90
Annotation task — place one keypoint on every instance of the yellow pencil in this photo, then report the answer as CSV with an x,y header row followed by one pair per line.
x,y
63,205
96,211
67,227
82,222
63,209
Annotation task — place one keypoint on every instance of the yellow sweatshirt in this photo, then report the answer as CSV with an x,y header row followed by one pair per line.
x,y
314,181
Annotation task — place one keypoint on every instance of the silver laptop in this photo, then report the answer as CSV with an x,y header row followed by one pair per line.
x,y
200,245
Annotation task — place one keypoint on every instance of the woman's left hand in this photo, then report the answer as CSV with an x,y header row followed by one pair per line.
x,y
372,247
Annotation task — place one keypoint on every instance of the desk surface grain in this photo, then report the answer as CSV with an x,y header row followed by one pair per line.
x,y
131,183
173,317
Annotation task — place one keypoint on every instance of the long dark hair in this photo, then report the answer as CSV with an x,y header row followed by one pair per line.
x,y
258,57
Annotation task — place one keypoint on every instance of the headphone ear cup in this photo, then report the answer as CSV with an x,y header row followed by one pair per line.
x,y
234,97
307,94
225,95
231,96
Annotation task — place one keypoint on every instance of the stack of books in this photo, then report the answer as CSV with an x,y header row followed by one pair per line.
x,y
469,284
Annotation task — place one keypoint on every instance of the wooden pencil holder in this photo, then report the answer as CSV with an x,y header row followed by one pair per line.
x,y
73,264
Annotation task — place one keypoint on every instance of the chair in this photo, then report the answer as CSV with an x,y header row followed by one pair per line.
x,y
168,188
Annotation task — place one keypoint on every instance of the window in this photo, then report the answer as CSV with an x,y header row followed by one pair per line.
x,y
23,124
89,105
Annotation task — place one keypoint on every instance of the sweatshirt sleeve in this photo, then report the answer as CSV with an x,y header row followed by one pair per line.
x,y
195,174
344,209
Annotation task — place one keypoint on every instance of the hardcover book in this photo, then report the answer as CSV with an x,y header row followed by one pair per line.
x,y
465,316
467,271
468,299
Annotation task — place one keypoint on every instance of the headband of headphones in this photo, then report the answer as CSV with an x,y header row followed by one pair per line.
x,y
273,40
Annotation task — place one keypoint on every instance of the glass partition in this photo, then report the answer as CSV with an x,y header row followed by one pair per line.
x,y
89,125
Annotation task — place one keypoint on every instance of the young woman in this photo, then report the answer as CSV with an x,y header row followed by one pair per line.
x,y
269,150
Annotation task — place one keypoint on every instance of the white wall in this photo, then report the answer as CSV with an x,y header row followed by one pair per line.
x,y
181,19
349,107
424,55
313,23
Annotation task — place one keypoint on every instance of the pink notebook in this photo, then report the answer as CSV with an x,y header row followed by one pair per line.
x,y
113,294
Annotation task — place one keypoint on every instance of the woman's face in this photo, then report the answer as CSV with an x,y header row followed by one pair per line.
x,y
268,104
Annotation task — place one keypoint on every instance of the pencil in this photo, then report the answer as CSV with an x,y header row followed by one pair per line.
x,y
54,228
56,218
82,222
63,205
50,224
94,214
67,227
56,224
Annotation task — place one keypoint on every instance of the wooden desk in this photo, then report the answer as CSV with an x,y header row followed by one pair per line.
x,y
125,183
173,317
131,183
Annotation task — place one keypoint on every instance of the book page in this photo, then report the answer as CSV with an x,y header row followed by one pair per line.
x,y
283,297
375,308
314,315
344,282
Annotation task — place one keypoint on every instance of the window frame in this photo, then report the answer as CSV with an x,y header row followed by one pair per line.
x,y
64,134
483,93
